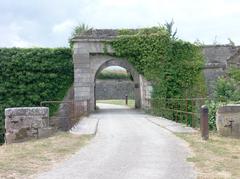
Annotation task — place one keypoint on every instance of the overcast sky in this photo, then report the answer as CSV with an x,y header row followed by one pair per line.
x,y
48,23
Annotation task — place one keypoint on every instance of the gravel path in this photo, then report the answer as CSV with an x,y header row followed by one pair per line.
x,y
127,146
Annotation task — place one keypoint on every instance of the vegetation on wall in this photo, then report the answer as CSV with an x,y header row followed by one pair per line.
x,y
227,90
29,76
228,87
78,30
173,66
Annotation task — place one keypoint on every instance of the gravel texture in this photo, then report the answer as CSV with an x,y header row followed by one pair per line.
x,y
127,146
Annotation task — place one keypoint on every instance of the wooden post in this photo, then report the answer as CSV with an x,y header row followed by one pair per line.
x,y
126,99
204,123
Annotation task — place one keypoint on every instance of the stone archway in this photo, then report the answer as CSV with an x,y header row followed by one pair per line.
x,y
126,65
90,57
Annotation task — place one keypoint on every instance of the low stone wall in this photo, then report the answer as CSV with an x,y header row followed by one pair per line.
x,y
25,123
228,120
114,89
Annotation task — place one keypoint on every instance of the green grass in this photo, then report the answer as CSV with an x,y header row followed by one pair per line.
x,y
131,102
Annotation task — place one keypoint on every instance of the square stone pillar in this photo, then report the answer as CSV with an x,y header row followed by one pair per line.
x,y
82,79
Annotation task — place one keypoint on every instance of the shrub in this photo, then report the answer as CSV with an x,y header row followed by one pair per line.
x,y
227,90
212,109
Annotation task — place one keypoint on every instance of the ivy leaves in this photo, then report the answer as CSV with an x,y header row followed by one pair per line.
x,y
171,64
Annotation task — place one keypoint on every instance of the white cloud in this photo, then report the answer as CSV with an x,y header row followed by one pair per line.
x,y
18,42
64,26
35,22
11,36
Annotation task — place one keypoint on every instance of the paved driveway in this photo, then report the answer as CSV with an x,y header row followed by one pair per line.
x,y
127,146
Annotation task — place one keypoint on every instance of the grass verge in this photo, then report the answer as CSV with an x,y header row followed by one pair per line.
x,y
219,157
131,102
23,160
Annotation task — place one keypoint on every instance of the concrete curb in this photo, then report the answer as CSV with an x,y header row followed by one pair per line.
x,y
86,126
171,126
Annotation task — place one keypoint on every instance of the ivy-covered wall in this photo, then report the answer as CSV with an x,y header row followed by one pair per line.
x,y
174,66
29,76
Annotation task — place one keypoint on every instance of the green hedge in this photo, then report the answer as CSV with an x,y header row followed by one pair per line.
x,y
29,76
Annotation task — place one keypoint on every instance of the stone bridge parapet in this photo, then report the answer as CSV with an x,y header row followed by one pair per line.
x,y
24,123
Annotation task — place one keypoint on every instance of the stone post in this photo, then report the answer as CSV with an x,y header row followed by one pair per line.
x,y
204,122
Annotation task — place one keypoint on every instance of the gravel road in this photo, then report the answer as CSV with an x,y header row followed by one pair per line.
x,y
127,146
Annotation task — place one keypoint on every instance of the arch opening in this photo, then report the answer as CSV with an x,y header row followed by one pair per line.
x,y
124,80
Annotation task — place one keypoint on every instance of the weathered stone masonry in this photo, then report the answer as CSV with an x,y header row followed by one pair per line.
x,y
217,60
228,120
90,58
26,123
114,89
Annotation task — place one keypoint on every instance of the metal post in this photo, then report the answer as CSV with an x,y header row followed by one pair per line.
x,y
204,122
192,111
126,99
186,111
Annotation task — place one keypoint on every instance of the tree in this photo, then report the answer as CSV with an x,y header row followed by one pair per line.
x,y
198,42
169,27
231,42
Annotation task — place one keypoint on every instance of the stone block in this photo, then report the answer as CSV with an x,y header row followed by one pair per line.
x,y
82,79
81,70
82,94
24,123
228,120
79,84
81,65
81,58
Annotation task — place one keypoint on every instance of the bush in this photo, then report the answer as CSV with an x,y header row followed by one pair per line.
x,y
212,109
29,76
227,90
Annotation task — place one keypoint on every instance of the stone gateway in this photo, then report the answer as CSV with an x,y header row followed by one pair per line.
x,y
89,59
